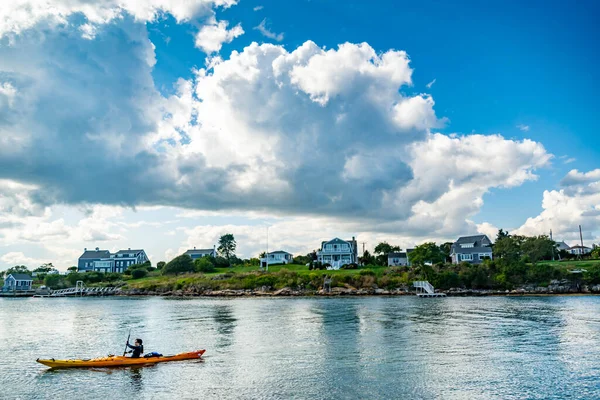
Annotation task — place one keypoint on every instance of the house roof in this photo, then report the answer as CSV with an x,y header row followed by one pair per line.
x,y
397,255
128,251
279,252
336,241
563,246
578,246
199,251
21,277
471,239
95,254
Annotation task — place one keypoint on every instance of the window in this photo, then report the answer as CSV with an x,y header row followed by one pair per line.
x,y
466,257
467,245
483,256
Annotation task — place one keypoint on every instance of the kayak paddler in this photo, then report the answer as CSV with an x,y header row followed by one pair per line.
x,y
136,349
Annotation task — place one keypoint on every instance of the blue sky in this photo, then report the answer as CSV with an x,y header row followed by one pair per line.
x,y
486,121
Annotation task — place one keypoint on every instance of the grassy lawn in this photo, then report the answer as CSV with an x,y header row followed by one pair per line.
x,y
197,278
572,264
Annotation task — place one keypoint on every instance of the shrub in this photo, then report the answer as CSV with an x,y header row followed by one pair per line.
x,y
204,264
350,266
139,273
178,265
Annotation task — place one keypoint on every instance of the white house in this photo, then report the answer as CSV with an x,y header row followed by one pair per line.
x,y
397,259
472,249
579,250
277,257
17,283
562,246
338,252
199,253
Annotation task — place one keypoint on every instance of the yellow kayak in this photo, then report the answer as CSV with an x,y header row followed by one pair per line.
x,y
118,361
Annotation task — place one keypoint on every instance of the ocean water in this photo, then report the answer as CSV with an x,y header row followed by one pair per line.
x,y
308,348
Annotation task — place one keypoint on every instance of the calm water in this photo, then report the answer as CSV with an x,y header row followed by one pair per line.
x,y
454,348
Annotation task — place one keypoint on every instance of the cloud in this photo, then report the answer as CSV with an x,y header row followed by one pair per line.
x,y
258,8
211,37
17,16
576,179
576,203
333,135
18,258
524,128
262,28
430,84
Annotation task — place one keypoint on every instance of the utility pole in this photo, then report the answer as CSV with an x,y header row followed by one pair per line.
x,y
581,239
267,255
552,245
363,243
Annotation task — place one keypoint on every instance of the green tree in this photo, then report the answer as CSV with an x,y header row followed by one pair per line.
x,y
179,265
204,264
72,269
227,247
160,265
384,248
501,234
596,252
538,248
507,247
446,248
17,269
366,258
427,253
54,281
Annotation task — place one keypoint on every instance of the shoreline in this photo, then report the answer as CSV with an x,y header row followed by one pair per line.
x,y
340,292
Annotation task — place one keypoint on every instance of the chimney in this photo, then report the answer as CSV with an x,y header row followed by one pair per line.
x,y
129,248
97,248
85,249
194,247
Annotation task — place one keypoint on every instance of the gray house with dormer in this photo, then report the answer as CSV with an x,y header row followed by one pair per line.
x,y
199,253
338,252
471,249
104,261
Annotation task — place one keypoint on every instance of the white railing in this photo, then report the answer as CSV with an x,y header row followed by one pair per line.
x,y
425,286
84,291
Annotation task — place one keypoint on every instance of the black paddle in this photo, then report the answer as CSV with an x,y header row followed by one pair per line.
x,y
128,336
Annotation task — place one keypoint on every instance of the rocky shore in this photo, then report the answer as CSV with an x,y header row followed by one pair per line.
x,y
556,288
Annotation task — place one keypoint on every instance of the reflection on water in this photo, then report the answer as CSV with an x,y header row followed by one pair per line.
x,y
135,376
454,348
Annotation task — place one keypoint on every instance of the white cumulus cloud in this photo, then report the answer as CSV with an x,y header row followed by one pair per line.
x,y
576,203
211,37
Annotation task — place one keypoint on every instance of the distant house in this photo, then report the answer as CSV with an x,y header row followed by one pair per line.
x,y
472,249
277,257
89,257
397,259
199,253
560,246
579,250
104,261
338,252
17,283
